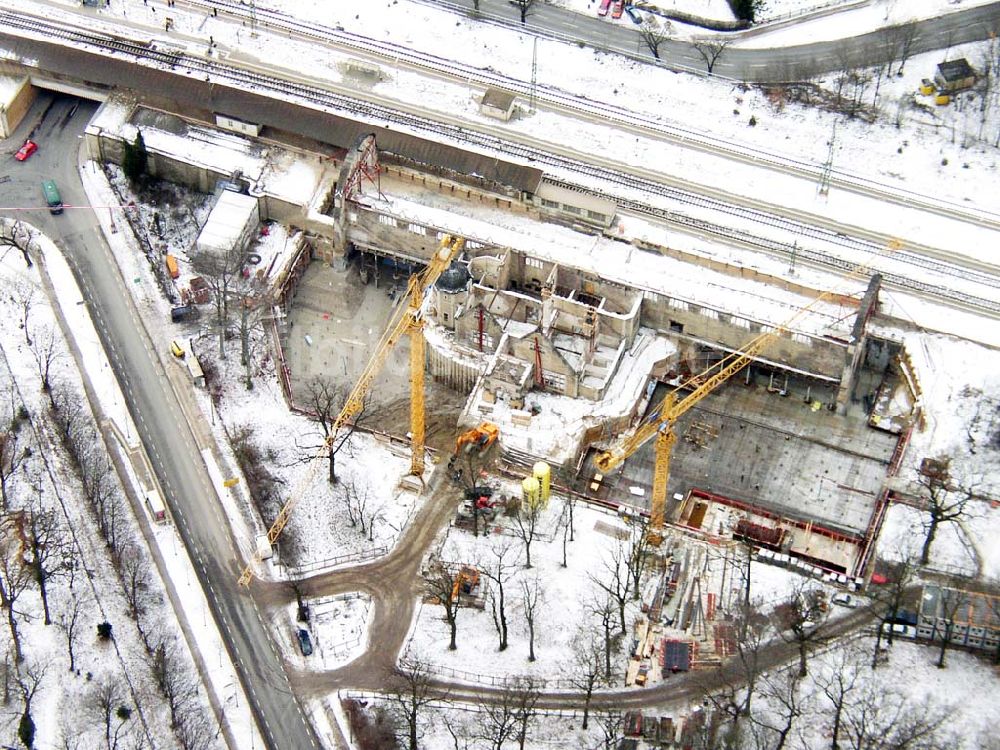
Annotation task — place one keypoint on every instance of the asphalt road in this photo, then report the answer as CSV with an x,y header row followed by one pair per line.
x,y
757,65
154,407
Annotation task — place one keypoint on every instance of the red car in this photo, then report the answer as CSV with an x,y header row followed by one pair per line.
x,y
605,6
619,8
26,150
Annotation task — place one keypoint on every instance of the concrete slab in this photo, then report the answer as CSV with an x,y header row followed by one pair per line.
x,y
771,451
333,325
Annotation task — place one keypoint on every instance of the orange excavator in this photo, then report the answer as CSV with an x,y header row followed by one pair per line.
x,y
477,439
465,582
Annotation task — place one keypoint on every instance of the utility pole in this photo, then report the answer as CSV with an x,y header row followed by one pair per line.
x,y
824,178
534,75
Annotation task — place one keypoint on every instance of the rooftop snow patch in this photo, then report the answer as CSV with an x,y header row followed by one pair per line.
x,y
228,224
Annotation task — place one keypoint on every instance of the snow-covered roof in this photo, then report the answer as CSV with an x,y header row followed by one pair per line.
x,y
228,221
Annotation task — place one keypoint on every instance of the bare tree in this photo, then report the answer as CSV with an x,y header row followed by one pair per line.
x,y
134,567
732,691
949,602
253,308
325,400
710,50
603,608
882,719
361,511
221,272
526,697
615,581
70,621
531,597
498,568
68,410
15,576
109,712
29,680
944,504
586,667
195,730
612,723
46,348
569,503
19,235
12,456
888,599
461,735
654,33
526,527
900,40
837,685
800,620
444,584
51,552
410,693
22,294
786,705
499,718
639,547
524,8
175,680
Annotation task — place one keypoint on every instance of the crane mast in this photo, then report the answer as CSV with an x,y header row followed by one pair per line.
x,y
407,319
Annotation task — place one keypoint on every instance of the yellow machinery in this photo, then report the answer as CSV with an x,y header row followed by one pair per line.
x,y
406,320
661,420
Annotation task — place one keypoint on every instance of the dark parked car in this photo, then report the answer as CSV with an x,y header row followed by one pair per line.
x,y
305,644
179,313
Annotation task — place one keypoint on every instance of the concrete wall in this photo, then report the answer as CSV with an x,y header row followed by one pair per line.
x,y
460,374
624,309
559,376
12,111
813,354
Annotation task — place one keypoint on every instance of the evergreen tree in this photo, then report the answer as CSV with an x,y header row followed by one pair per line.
x,y
747,10
134,159
26,730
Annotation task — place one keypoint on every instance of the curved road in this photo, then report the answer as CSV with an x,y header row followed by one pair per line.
x,y
768,65
156,412
394,582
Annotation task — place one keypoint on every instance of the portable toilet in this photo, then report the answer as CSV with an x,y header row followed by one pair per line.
x,y
543,473
529,492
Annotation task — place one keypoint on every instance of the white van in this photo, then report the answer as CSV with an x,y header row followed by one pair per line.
x,y
154,506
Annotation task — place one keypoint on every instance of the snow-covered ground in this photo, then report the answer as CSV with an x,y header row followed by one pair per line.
x,y
930,153
47,482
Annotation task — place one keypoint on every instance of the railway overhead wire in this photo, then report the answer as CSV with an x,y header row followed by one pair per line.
x,y
311,94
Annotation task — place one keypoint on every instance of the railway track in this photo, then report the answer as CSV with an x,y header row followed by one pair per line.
x,y
453,70
261,83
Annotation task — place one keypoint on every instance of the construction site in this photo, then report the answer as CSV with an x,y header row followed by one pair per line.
x,y
773,420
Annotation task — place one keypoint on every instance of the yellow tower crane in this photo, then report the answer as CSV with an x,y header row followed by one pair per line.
x,y
407,319
664,416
